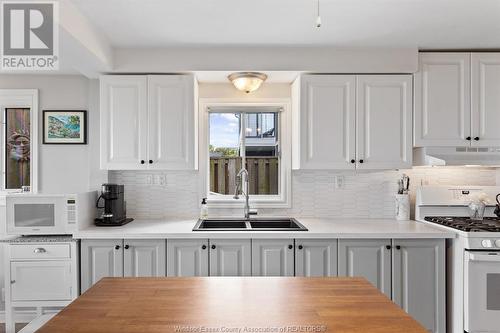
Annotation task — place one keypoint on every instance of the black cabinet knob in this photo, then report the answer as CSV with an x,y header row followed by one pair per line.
x,y
353,161
150,161
126,247
388,247
300,247
361,161
117,247
142,162
398,247
213,247
476,138
468,138
203,247
290,246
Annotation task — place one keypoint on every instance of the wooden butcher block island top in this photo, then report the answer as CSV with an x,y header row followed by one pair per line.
x,y
232,304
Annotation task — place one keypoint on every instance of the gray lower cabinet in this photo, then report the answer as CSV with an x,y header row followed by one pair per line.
x,y
144,258
368,258
419,281
187,257
273,257
100,258
316,257
230,257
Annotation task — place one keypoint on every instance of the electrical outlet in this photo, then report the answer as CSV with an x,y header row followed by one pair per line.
x,y
149,179
162,180
339,182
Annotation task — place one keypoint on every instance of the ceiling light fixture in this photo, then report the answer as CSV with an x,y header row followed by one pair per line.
x,y
318,19
247,81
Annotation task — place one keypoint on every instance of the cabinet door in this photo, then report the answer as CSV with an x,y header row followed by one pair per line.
x,y
384,122
230,257
272,257
41,280
368,258
124,127
187,257
315,257
419,284
100,258
324,122
172,125
144,258
442,100
485,99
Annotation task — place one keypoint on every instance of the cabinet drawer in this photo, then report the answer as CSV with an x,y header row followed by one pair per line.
x,y
40,280
40,251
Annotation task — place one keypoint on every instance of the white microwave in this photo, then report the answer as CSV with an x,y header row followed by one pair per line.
x,y
49,214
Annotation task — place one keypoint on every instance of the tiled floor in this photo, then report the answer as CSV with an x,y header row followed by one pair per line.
x,y
18,327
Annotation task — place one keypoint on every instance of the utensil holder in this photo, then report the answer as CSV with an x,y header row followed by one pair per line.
x,y
402,207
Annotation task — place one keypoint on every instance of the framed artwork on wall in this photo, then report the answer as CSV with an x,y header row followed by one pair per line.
x,y
64,127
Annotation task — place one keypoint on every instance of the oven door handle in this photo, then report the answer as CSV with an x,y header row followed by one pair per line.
x,y
484,257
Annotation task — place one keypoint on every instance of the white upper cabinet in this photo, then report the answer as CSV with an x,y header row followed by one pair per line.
x,y
442,100
485,99
124,121
148,122
171,104
346,122
384,118
324,122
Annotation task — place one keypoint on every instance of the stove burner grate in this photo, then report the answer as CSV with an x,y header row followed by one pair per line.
x,y
488,224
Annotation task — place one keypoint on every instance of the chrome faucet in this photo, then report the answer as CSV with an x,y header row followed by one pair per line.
x,y
239,189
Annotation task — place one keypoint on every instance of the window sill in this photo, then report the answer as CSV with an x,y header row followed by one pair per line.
x,y
229,202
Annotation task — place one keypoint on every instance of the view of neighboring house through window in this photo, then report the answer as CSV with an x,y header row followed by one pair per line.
x,y
17,157
256,148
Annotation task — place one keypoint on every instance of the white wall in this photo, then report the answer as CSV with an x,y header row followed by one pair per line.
x,y
62,168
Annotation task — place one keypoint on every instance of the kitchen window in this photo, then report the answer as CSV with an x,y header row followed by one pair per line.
x,y
250,136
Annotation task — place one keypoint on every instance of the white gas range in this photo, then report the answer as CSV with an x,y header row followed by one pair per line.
x,y
473,257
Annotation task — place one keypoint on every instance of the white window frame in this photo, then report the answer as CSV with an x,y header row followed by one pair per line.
x,y
283,200
21,98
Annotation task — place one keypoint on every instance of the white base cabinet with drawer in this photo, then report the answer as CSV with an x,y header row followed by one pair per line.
x,y
119,258
39,275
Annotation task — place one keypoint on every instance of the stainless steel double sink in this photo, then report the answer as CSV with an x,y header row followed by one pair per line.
x,y
254,224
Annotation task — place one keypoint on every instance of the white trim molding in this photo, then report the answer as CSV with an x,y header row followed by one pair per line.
x,y
283,200
22,98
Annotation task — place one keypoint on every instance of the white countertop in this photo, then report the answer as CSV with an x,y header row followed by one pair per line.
x,y
318,228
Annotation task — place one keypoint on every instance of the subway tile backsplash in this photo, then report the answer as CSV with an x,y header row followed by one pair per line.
x,y
314,194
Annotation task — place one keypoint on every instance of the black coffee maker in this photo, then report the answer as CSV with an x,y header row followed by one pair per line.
x,y
114,209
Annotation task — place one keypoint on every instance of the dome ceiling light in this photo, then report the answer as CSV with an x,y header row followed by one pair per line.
x,y
247,81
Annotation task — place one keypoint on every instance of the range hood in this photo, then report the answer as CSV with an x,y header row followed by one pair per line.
x,y
455,156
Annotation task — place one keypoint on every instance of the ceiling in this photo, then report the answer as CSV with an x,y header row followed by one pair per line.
x,y
427,24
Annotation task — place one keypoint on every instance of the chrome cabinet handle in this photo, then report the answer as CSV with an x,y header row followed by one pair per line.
x,y
39,250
